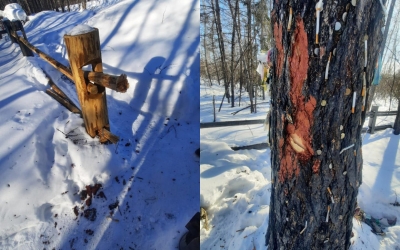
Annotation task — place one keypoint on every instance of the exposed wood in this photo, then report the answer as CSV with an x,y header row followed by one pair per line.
x,y
63,69
117,83
58,91
84,49
106,135
55,87
71,107
92,88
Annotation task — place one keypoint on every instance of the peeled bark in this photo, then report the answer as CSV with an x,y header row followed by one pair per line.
x,y
315,132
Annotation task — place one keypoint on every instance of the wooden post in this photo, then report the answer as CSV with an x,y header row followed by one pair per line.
x,y
372,119
16,26
84,49
7,26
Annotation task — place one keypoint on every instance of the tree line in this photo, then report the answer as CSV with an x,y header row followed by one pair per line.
x,y
232,32
35,6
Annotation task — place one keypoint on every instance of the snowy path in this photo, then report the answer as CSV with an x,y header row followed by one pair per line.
x,y
46,158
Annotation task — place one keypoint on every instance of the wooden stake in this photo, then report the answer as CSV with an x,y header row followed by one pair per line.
x,y
84,49
106,135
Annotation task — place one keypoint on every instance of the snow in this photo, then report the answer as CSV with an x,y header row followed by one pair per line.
x,y
47,159
235,185
14,11
80,29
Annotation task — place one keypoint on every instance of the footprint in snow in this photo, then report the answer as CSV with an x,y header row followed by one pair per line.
x,y
23,116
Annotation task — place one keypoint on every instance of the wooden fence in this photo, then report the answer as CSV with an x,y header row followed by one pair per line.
x,y
83,49
373,114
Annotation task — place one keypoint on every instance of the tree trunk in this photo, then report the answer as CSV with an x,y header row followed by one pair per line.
x,y
217,13
205,49
382,48
315,130
249,57
62,3
84,4
213,52
234,10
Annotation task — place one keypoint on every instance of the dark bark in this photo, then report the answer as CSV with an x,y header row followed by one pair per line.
x,y
213,51
234,11
62,3
249,57
312,120
206,50
217,14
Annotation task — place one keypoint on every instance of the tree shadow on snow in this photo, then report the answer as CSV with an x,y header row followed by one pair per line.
x,y
158,151
383,180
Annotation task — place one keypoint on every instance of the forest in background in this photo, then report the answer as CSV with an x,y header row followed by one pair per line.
x,y
233,32
35,6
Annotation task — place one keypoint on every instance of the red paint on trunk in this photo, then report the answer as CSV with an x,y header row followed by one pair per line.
x,y
279,48
289,164
316,166
302,116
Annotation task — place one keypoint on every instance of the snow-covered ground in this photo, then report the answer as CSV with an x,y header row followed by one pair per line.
x,y
235,185
149,180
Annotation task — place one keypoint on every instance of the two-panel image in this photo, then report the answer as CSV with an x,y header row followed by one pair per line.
x,y
199,124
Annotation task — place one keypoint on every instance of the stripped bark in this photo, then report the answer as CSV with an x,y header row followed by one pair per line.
x,y
312,120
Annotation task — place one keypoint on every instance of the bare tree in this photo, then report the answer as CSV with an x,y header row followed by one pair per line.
x,y
217,13
234,10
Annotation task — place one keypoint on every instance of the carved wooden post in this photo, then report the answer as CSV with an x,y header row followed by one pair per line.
x,y
84,49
